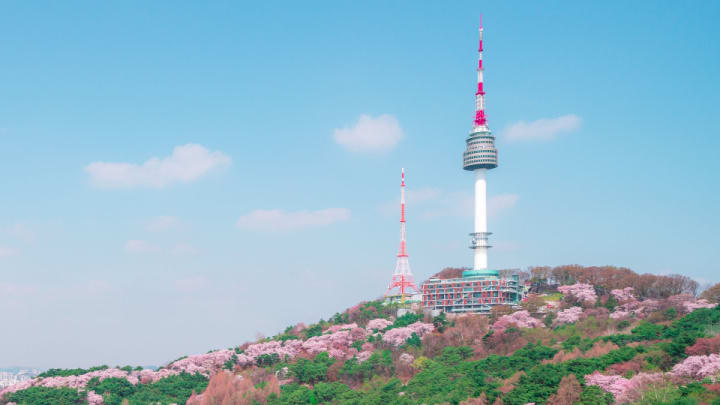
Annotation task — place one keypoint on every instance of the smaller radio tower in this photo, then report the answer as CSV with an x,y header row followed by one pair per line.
x,y
402,277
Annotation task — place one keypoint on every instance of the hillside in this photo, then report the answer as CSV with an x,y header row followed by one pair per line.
x,y
575,343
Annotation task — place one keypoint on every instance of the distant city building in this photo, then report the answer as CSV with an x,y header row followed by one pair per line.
x,y
14,376
480,288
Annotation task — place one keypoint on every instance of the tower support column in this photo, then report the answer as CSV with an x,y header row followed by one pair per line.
x,y
481,234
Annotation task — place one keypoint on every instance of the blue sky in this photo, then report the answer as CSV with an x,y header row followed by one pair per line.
x,y
180,176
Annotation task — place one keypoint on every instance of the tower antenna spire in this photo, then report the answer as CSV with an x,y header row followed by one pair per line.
x,y
402,278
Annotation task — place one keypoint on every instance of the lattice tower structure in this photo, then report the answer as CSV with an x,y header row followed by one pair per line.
x,y
402,278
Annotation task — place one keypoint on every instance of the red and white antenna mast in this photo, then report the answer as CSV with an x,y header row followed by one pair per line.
x,y
402,277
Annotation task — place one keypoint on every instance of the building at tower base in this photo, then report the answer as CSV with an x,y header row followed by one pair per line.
x,y
475,291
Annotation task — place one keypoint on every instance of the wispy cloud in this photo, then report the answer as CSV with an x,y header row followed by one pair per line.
x,y
162,223
542,129
280,220
23,233
139,246
183,249
370,134
16,289
186,164
7,251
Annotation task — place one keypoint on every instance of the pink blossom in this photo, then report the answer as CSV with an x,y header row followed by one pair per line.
x,y
337,328
698,367
689,303
701,303
205,364
298,328
378,324
367,346
289,348
74,381
520,319
584,293
624,390
398,336
364,355
406,358
613,384
336,344
624,294
358,334
633,307
569,315
637,385
94,399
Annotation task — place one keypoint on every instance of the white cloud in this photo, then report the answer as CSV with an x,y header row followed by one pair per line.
x,y
542,129
162,223
7,252
22,232
370,134
187,163
139,246
183,249
279,220
16,289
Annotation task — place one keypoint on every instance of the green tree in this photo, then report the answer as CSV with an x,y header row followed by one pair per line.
x,y
112,389
312,371
594,395
46,396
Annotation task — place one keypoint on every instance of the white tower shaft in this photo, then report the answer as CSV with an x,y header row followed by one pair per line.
x,y
481,249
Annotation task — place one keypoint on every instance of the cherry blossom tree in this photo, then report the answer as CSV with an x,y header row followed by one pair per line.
x,y
583,293
378,324
623,294
520,319
94,399
698,367
623,389
398,336
569,315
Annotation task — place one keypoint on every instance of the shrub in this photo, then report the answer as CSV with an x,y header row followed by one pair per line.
x,y
113,389
327,392
312,371
594,395
46,395
704,346
414,340
58,372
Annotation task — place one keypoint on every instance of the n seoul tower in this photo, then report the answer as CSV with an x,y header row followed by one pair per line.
x,y
480,156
